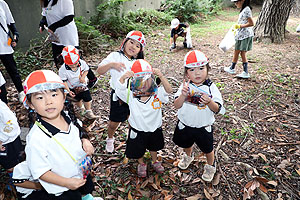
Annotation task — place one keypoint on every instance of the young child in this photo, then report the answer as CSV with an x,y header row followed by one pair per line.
x,y
73,73
176,31
197,100
10,142
244,37
145,118
117,63
3,92
55,146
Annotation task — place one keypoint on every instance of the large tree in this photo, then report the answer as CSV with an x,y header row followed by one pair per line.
x,y
271,23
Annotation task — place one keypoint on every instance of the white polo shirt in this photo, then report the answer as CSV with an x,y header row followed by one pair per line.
x,y
72,77
2,80
67,34
5,18
44,154
22,173
115,75
144,116
195,116
9,127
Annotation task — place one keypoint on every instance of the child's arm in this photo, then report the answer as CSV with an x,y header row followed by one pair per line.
x,y
102,69
166,84
184,93
82,77
213,106
70,183
87,146
125,76
29,185
72,94
2,148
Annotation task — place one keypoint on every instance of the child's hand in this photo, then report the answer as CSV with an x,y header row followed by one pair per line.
x,y
87,146
2,148
205,99
82,79
127,75
74,183
119,66
72,94
185,88
157,72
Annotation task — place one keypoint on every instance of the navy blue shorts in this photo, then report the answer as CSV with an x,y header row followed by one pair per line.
x,y
12,155
85,96
187,136
138,142
119,110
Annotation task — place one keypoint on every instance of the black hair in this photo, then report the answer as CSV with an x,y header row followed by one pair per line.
x,y
45,3
245,4
140,55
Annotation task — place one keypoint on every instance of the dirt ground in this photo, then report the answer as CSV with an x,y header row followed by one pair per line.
x,y
257,144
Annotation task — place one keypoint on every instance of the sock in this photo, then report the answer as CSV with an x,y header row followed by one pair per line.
x,y
232,65
245,66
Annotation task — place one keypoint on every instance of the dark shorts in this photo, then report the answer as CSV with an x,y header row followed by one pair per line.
x,y
12,155
138,143
119,110
85,96
187,136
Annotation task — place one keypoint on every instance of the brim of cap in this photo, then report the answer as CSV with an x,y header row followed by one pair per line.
x,y
174,26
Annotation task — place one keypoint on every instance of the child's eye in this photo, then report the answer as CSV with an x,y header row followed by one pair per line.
x,y
54,94
39,97
191,70
201,68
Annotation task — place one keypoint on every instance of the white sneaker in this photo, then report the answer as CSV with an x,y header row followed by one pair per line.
x,y
243,75
110,145
21,96
229,70
185,161
209,172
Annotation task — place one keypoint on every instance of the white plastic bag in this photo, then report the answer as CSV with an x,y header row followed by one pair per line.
x,y
229,40
298,29
188,38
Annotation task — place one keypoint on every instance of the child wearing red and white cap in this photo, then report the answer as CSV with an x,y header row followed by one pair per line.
x,y
73,73
145,103
197,100
55,145
117,63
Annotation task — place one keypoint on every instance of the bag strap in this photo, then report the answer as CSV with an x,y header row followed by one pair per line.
x,y
51,136
4,29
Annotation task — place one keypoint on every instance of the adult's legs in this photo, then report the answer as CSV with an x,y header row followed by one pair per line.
x,y
11,67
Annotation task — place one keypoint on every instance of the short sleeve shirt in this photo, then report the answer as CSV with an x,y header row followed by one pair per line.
x,y
178,31
67,34
116,75
5,18
72,77
247,32
195,116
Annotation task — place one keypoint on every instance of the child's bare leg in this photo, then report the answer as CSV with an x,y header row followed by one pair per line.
x,y
244,57
79,104
141,160
235,56
88,105
153,156
210,158
112,127
188,151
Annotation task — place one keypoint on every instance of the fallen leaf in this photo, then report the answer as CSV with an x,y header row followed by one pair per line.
x,y
207,195
130,196
169,197
195,197
263,188
216,179
274,183
263,157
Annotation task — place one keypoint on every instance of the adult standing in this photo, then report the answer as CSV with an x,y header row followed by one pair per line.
x,y
7,42
58,16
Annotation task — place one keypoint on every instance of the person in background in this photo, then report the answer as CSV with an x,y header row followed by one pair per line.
x,y
176,31
7,42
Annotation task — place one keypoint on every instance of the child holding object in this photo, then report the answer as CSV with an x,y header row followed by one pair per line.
x,y
145,120
197,100
176,31
244,37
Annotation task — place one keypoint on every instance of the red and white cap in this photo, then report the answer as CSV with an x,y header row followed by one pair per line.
x,y
135,35
195,58
141,65
41,80
70,55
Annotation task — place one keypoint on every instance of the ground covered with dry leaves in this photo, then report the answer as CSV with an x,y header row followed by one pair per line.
x,y
257,144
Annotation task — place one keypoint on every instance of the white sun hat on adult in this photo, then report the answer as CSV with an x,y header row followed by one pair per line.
x,y
174,23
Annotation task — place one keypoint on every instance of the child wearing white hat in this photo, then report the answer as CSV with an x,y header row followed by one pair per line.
x,y
176,31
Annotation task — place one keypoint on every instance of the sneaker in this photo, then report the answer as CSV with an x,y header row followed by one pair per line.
x,y
92,83
90,115
243,75
110,145
21,96
229,70
173,46
158,167
209,172
142,170
185,161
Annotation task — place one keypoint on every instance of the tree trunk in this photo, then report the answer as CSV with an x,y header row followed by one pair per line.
x,y
272,19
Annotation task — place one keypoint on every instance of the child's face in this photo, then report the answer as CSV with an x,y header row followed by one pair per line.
x,y
132,48
239,3
48,103
197,74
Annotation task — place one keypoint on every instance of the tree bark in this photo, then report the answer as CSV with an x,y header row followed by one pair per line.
x,y
272,19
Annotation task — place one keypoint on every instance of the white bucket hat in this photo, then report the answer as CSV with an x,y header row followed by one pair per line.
x,y
174,23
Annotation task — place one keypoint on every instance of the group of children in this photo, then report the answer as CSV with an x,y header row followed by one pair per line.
x,y
58,150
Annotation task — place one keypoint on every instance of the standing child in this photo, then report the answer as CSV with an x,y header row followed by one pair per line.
x,y
73,73
117,63
145,118
244,37
197,101
55,146
176,31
